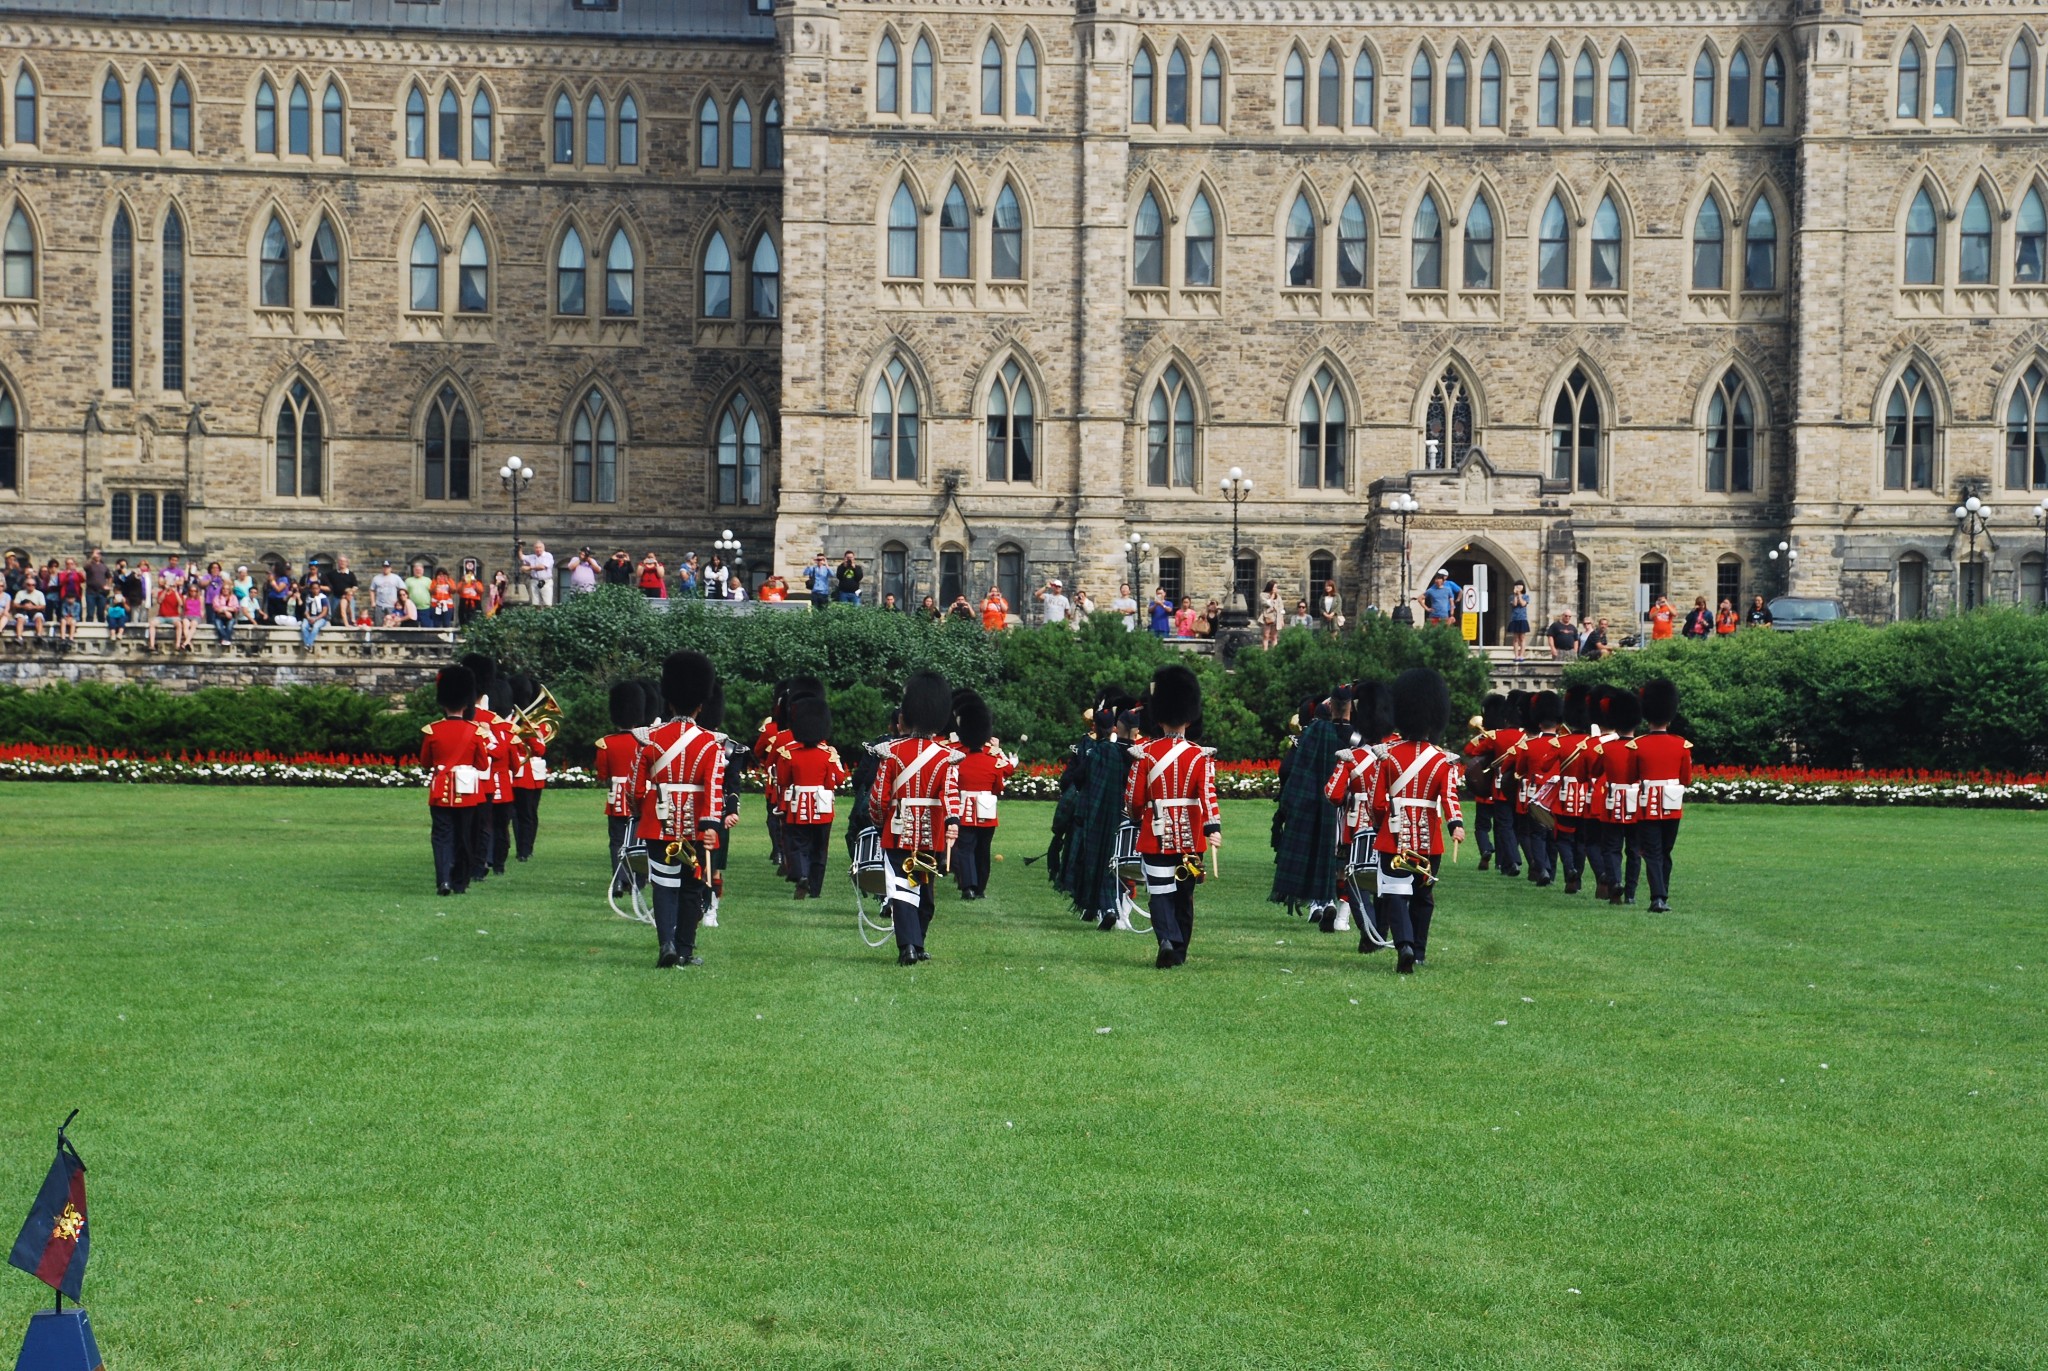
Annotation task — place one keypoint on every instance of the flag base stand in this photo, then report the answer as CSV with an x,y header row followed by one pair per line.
x,y
59,1341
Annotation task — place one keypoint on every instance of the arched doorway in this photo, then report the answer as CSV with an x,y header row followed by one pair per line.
x,y
1488,578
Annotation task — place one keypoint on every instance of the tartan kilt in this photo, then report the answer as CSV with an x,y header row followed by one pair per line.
x,y
1089,869
1305,843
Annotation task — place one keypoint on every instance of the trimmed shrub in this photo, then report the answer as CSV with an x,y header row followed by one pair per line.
x,y
144,719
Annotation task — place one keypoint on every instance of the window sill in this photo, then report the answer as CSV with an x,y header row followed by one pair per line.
x,y
1762,304
323,323
1151,302
274,322
1606,304
1477,306
1554,304
1301,302
899,294
1921,300
20,314
1430,305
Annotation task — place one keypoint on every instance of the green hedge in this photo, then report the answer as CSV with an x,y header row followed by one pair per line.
x,y
144,719
1958,694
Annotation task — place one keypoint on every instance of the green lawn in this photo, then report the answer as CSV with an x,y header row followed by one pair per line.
x,y
335,1122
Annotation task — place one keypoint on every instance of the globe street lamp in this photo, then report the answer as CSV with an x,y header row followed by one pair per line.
x,y
1972,519
1236,488
728,547
516,476
1404,506
1790,555
1136,550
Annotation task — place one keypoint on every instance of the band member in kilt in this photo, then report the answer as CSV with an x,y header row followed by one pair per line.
x,y
1414,798
1663,771
807,774
1534,764
1350,789
529,771
1090,812
915,799
1500,717
1577,825
618,768
456,754
1618,788
1171,795
984,769
682,807
1305,854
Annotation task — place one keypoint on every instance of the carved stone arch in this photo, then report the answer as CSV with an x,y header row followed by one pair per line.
x,y
427,212
1009,349
1574,208
1009,172
1302,184
1154,368
959,173
1914,354
1732,203
714,223
1169,206
569,398
1706,379
2029,350
325,207
1952,34
1319,355
902,173
1924,176
1461,545
1983,178
1450,210
899,347
1424,382
738,382
1483,183
1579,358
428,389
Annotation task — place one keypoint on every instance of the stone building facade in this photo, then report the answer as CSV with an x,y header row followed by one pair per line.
x,y
1623,297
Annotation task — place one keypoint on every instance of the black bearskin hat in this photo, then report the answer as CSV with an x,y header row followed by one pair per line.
x,y
712,716
810,719
1372,713
686,681
525,691
1578,708
1111,701
650,696
1493,712
1545,709
791,689
481,668
1176,696
455,689
971,720
1660,702
628,705
1421,704
1624,712
927,703
1518,709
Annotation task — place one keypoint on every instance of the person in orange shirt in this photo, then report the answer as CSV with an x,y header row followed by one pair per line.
x,y
1661,615
1727,620
442,599
774,590
456,754
470,591
995,610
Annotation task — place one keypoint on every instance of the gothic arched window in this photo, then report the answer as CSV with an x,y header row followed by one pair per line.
x,y
892,425
1148,244
1554,248
1170,431
764,280
1301,243
300,443
717,278
1351,246
324,276
571,274
902,232
1731,436
448,447
594,452
1199,266
1012,430
1479,246
1709,246
1426,267
426,271
1006,237
1909,434
739,454
1575,433
1447,423
1322,447
2026,432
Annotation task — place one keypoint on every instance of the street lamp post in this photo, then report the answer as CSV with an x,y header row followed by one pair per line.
x,y
1236,488
1136,550
1404,506
516,476
2041,518
1790,555
1972,520
728,547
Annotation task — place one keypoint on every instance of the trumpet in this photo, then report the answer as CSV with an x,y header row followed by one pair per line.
x,y
541,719
922,868
688,853
1191,868
1409,862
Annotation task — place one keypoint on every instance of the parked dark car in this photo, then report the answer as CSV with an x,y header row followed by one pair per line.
x,y
1795,613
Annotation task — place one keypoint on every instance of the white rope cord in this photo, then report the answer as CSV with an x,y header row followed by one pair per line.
x,y
883,928
639,905
1369,927
1129,911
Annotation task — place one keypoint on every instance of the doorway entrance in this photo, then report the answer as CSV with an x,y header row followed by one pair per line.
x,y
1488,584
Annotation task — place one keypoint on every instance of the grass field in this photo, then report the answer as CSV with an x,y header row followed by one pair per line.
x,y
335,1122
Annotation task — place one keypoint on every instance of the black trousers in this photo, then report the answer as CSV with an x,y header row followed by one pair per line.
x,y
1571,850
1613,838
1538,847
1592,834
453,835
1632,848
494,841
971,858
777,852
911,903
1506,848
680,894
807,847
1407,917
525,820
1483,826
1657,837
1172,901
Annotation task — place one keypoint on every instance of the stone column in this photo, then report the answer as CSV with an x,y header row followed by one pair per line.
x,y
1106,38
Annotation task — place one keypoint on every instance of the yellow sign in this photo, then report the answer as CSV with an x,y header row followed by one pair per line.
x,y
1469,626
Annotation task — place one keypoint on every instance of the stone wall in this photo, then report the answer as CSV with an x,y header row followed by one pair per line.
x,y
387,662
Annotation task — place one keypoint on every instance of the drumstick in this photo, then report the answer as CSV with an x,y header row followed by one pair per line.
x,y
1216,859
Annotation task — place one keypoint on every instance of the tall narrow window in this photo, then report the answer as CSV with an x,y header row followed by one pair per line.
x,y
121,516
1731,436
113,123
717,278
25,109
426,271
1575,434
1148,244
449,448
921,77
1351,246
764,280
123,331
266,118
1006,237
739,454
597,132
594,453
333,122
1738,89
475,261
1177,88
1426,248
1973,248
1294,91
20,276
707,133
1709,244
1026,101
1141,87
991,77
480,130
2019,81
1489,90
1329,90
1703,91
1909,80
1012,433
571,274
448,126
1548,79
2029,240
1774,90
1301,243
1364,84
274,266
299,121
771,135
629,132
324,276
903,233
301,446
10,444
1009,574
618,276
1199,268
1619,78
565,131
892,424
1479,246
1760,246
1321,463
1909,434
1212,88
1170,432
174,302
1582,90
415,124
1921,256
1457,84
2026,433
1606,264
1945,80
1447,424
742,135
1554,248
1421,93
888,84
955,236
146,113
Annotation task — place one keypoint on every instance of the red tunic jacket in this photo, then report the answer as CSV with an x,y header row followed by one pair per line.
x,y
915,798
529,765
807,775
1350,789
460,760
618,766
1618,781
1575,781
682,784
1171,795
500,783
1663,771
983,775
1413,794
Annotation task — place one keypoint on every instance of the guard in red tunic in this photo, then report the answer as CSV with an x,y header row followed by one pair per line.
x,y
915,803
1350,788
618,768
1171,796
456,753
984,770
682,807
1663,771
1578,827
1534,764
1617,796
1501,719
807,774
529,772
1414,798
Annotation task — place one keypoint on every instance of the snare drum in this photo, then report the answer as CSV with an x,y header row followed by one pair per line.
x,y
1129,865
1362,857
870,868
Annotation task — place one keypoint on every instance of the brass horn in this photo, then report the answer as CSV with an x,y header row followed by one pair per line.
x,y
541,718
1409,862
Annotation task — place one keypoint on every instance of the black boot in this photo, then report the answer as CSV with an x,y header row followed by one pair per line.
x,y
906,958
1486,862
1166,958
1406,964
669,956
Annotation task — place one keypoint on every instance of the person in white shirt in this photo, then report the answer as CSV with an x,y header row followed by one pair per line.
x,y
1126,605
540,573
1057,605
